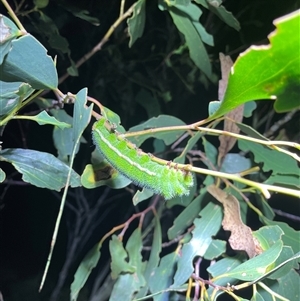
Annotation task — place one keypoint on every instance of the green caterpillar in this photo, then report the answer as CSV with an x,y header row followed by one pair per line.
x,y
139,166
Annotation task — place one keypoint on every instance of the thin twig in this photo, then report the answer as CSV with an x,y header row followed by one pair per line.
x,y
98,47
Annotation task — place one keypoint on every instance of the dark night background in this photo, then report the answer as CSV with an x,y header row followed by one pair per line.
x,y
113,76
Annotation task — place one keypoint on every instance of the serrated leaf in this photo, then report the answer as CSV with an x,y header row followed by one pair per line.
x,y
278,162
136,23
44,118
84,270
268,71
119,258
160,121
39,168
40,73
205,227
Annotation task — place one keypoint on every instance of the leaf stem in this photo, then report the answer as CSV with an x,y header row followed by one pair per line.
x,y
14,17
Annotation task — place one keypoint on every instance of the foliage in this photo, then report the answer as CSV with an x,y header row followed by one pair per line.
x,y
229,183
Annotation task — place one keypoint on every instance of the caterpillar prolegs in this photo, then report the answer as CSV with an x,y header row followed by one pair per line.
x,y
139,166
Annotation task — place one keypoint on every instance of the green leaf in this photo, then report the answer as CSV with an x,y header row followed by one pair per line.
x,y
142,195
119,258
291,181
63,138
257,297
134,247
205,227
215,249
285,254
40,73
269,71
2,175
132,282
286,286
11,96
153,258
291,237
81,115
102,174
220,269
268,235
84,270
44,118
223,14
124,288
279,163
186,217
186,19
39,168
162,276
235,163
9,31
136,23
148,102
257,266
47,27
189,146
160,121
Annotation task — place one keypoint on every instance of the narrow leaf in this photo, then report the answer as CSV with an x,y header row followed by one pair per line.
x,y
136,23
44,118
205,227
84,270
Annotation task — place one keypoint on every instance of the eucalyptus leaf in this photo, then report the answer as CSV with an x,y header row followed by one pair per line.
x,y
40,75
136,23
12,95
183,19
39,168
205,227
44,118
84,270
273,160
160,121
